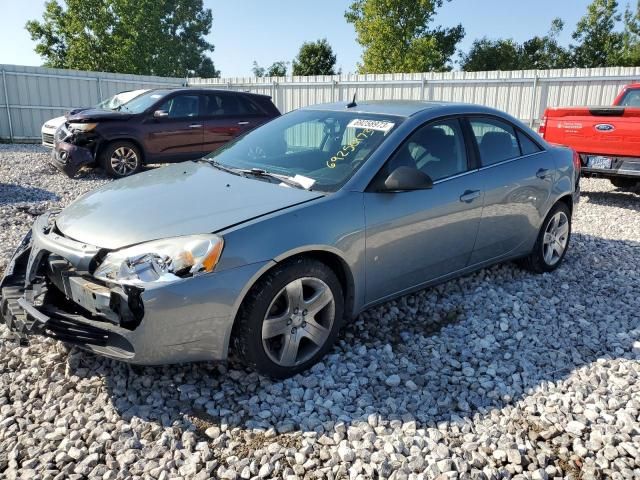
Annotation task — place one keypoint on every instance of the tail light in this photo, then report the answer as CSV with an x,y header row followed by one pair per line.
x,y
543,127
577,163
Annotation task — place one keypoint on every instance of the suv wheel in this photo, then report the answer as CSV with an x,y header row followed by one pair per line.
x,y
290,319
553,241
121,159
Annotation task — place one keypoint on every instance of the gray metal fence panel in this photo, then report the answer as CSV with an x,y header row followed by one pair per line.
x,y
524,93
36,94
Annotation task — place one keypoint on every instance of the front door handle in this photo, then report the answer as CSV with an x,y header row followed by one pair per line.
x,y
542,173
469,196
243,123
195,125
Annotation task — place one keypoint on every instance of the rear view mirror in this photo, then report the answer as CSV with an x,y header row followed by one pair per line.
x,y
160,114
406,179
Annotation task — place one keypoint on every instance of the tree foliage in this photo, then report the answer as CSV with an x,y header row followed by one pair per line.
x,y
277,69
598,43
396,37
147,37
506,54
631,37
315,58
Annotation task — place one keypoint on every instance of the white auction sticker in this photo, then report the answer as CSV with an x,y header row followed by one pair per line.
x,y
378,125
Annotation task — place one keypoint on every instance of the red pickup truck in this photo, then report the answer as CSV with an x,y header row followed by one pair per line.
x,y
606,138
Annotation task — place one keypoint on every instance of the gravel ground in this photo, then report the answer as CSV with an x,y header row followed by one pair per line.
x,y
501,374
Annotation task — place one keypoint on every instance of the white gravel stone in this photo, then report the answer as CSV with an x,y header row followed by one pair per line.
x,y
501,373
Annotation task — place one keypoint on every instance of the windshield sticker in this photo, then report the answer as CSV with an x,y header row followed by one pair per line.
x,y
351,147
378,125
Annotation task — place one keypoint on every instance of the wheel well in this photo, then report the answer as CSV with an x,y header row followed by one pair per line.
x,y
568,201
106,143
335,263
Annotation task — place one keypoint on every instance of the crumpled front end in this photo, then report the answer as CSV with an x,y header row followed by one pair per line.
x,y
73,150
48,289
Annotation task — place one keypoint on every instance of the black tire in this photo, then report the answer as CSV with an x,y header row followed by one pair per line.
x,y
627,183
121,149
254,352
536,261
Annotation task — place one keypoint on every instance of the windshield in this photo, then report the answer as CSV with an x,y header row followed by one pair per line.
x,y
322,148
144,101
119,99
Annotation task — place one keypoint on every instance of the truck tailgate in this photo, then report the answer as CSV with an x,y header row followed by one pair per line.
x,y
613,131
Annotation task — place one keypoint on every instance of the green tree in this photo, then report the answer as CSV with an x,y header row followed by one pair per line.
x,y
396,37
534,54
315,58
148,37
257,70
277,69
598,43
630,55
487,55
541,53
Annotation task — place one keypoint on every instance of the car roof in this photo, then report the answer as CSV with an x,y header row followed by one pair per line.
x,y
205,90
401,108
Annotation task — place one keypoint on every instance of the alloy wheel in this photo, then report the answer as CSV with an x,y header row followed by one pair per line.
x,y
556,237
298,321
124,161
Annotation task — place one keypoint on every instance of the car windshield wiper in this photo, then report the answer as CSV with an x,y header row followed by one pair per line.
x,y
224,168
259,172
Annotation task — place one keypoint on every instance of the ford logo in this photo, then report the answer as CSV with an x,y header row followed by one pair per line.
x,y
605,127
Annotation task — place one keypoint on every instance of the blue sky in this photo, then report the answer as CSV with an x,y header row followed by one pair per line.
x,y
266,31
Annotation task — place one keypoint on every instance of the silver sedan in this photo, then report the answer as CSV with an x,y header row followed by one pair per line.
x,y
268,245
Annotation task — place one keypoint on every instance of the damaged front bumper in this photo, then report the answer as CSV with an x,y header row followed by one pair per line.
x,y
69,158
48,289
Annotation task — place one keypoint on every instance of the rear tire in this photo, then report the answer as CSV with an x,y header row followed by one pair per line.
x,y
121,159
552,242
290,319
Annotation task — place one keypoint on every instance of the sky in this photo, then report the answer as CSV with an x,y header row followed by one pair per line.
x,y
272,30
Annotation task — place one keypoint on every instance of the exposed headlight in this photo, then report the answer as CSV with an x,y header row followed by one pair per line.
x,y
82,127
166,260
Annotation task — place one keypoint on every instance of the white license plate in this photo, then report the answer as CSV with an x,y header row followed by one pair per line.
x,y
599,162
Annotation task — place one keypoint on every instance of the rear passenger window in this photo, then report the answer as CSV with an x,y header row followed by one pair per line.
x,y
437,149
496,140
527,145
225,105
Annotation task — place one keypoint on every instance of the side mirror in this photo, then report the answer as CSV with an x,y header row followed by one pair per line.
x,y
406,179
160,114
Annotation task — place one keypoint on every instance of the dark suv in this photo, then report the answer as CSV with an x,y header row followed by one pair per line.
x,y
162,125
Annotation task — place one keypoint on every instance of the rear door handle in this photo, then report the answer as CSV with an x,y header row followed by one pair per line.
x,y
195,125
469,196
542,173
243,123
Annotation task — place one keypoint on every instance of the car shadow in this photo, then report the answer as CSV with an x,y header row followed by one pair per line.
x,y
618,198
11,193
452,364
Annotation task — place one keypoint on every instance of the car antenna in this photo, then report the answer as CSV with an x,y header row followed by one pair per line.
x,y
353,102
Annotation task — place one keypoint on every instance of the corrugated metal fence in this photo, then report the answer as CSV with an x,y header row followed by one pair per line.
x,y
524,93
36,94
31,95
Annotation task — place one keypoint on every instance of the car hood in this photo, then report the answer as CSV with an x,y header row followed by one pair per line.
x,y
181,199
91,114
53,123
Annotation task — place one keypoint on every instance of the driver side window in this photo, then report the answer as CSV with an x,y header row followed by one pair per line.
x,y
436,149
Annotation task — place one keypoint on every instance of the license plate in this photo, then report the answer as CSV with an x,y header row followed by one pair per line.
x,y
599,162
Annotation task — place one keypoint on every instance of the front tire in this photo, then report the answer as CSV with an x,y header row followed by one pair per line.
x,y
290,319
552,242
121,159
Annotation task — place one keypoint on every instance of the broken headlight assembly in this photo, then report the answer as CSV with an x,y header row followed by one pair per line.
x,y
161,261
82,127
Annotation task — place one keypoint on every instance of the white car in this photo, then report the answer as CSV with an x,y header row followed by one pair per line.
x,y
50,126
